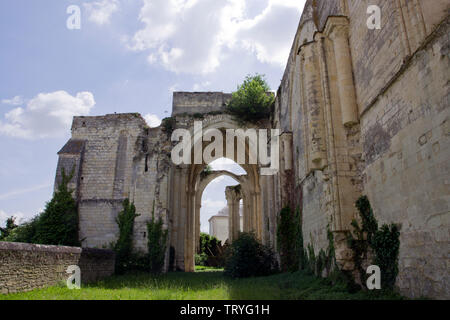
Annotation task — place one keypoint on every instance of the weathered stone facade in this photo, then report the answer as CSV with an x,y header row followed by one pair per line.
x,y
26,267
360,111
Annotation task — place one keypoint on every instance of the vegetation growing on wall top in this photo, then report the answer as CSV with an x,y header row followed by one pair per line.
x,y
252,100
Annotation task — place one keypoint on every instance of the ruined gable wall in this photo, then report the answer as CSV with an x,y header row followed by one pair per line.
x,y
121,159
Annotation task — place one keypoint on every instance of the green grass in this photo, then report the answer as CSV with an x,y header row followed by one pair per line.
x,y
204,285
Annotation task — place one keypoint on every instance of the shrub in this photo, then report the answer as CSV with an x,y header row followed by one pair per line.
x,y
157,242
249,258
289,239
10,226
201,259
24,233
386,246
58,224
207,170
383,242
211,248
124,245
251,101
168,125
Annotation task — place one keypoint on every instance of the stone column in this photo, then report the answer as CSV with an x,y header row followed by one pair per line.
x,y
337,31
189,261
198,206
314,101
175,211
233,197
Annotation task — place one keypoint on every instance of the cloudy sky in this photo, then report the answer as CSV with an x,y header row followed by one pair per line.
x,y
127,56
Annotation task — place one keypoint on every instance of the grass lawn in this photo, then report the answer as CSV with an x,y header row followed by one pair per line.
x,y
206,284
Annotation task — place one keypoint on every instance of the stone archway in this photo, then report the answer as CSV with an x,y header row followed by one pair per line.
x,y
187,188
204,181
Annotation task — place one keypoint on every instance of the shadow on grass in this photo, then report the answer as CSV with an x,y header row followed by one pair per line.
x,y
287,286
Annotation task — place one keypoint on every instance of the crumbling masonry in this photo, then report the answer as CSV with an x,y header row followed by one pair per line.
x,y
360,112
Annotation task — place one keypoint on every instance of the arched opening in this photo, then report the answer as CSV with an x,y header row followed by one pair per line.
x,y
213,217
189,182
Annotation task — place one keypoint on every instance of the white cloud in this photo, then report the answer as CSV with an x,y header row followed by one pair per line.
x,y
25,190
201,86
152,120
47,115
195,36
173,88
100,12
267,34
213,204
16,101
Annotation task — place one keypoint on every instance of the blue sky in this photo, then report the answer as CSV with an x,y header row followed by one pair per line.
x,y
128,56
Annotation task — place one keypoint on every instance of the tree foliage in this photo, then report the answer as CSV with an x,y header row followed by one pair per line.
x,y
124,245
249,258
289,239
157,243
252,100
384,242
57,224
10,226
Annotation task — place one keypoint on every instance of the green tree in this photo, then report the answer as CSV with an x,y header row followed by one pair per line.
x,y
10,226
252,100
58,223
157,243
124,245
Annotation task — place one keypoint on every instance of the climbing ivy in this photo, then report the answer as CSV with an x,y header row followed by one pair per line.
x,y
168,125
383,242
289,239
124,245
157,243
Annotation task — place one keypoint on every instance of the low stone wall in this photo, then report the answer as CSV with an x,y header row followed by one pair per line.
x,y
24,267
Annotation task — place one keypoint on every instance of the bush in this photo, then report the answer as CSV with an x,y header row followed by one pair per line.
x,y
124,245
383,242
24,233
251,101
10,226
211,248
249,258
168,125
201,259
289,239
57,224
157,243
386,246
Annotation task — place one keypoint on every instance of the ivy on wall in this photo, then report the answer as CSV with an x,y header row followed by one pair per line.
x,y
379,245
157,243
124,245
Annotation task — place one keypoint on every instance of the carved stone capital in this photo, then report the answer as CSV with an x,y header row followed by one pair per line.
x,y
336,28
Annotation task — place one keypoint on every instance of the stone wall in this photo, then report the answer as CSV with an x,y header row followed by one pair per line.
x,y
116,156
24,267
198,102
359,111
371,109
